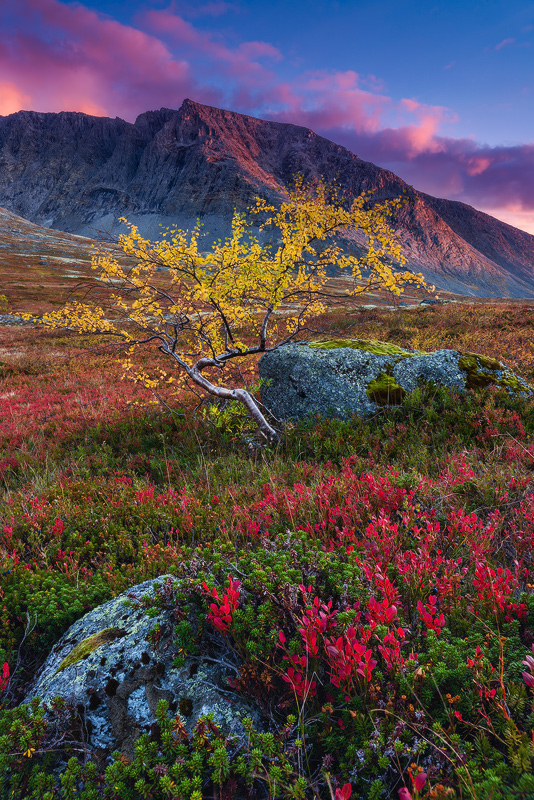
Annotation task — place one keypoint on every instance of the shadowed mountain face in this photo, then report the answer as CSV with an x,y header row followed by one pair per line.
x,y
78,173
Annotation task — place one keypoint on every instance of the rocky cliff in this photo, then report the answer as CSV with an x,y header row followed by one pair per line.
x,y
78,173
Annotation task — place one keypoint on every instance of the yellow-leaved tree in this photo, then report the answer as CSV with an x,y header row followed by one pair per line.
x,y
243,297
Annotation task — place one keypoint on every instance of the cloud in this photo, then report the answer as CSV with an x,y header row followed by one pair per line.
x,y
174,28
498,180
245,68
324,100
504,43
12,99
334,105
477,165
67,57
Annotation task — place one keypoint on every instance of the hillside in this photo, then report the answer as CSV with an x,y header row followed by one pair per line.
x,y
41,268
79,173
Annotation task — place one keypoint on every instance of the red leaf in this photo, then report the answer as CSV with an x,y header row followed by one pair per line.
x,y
419,781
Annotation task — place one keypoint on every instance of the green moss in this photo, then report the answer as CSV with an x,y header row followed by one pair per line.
x,y
480,373
514,385
84,648
369,345
385,391
475,379
483,361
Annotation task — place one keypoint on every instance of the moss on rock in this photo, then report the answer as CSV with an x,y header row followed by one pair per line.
x,y
373,346
85,647
483,371
476,359
344,377
385,391
514,385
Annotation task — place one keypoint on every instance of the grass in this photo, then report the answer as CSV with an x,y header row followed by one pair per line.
x,y
414,530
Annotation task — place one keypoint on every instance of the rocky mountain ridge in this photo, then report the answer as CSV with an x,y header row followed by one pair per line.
x,y
78,173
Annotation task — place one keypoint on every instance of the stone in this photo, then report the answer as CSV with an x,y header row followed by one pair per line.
x,y
113,670
340,378
15,319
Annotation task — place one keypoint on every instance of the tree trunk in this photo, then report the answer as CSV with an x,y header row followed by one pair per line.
x,y
246,398
241,395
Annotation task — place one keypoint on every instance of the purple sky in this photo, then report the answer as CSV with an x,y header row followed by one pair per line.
x,y
442,94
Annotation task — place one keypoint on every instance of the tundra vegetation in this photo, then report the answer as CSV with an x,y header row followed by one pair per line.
x,y
374,577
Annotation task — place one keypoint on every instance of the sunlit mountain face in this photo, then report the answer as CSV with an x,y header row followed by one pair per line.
x,y
79,173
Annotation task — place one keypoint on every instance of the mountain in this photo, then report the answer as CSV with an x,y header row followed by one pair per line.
x,y
79,174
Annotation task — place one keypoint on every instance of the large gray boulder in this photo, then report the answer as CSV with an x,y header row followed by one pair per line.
x,y
339,378
117,662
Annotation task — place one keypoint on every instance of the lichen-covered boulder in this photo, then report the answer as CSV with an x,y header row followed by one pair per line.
x,y
340,378
117,662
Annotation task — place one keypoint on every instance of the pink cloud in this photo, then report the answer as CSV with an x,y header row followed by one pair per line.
x,y
422,137
504,43
410,105
477,165
325,100
334,102
67,57
12,99
171,26
255,50
174,28
497,180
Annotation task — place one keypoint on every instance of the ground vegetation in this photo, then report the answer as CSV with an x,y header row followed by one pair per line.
x,y
373,577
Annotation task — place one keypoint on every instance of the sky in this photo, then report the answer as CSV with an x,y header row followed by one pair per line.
x,y
440,93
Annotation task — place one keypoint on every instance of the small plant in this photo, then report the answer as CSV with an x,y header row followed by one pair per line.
x,y
221,611
4,680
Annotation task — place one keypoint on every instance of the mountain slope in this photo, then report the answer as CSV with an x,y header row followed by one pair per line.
x,y
41,268
78,173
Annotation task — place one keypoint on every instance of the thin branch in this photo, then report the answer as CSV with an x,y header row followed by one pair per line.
x,y
225,321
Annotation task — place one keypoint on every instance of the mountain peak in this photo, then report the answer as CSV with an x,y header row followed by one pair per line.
x,y
189,104
202,110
